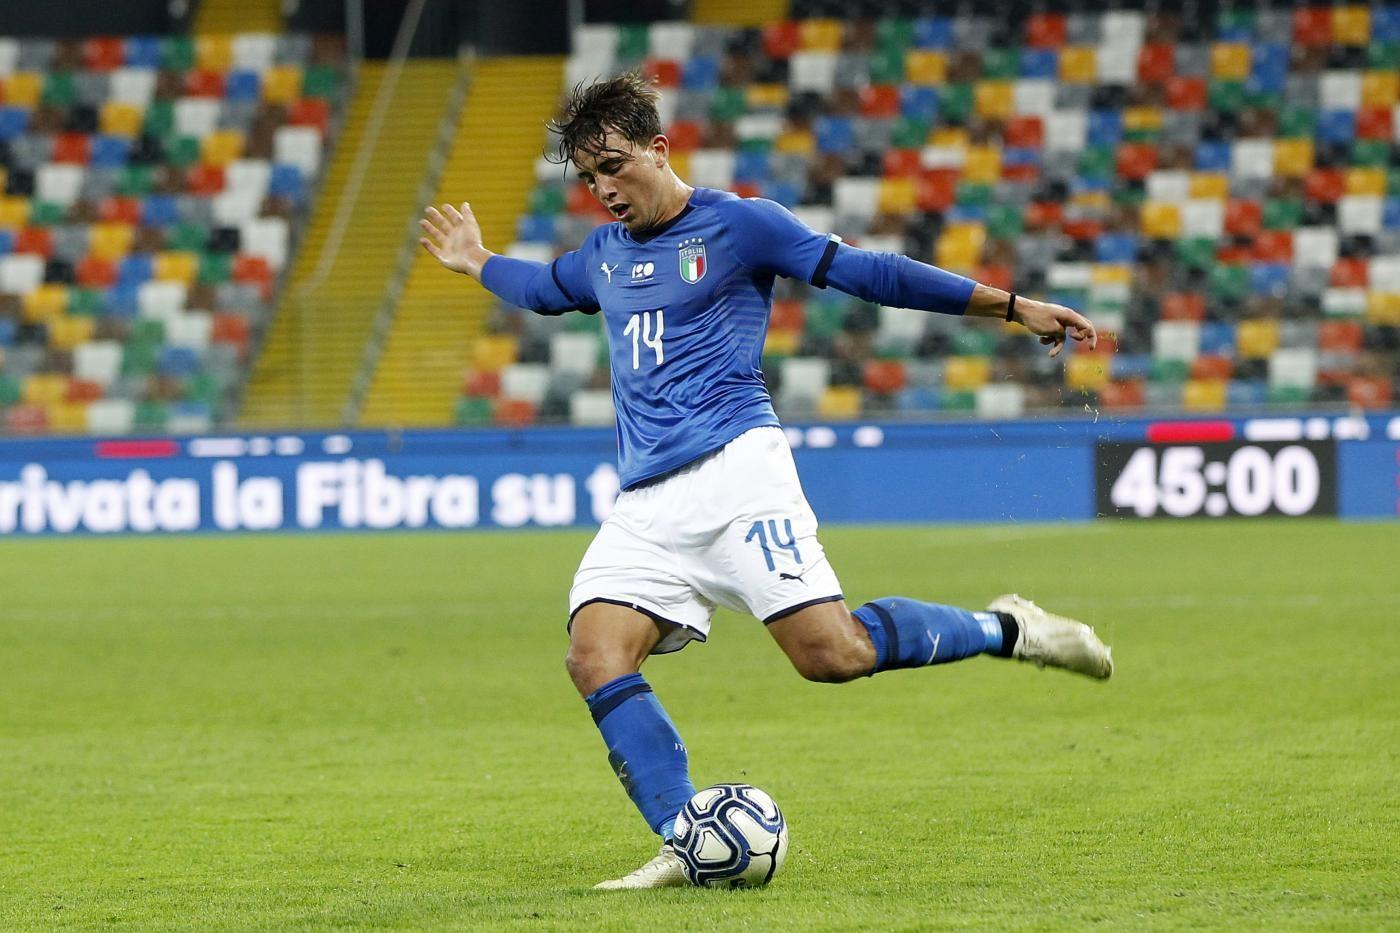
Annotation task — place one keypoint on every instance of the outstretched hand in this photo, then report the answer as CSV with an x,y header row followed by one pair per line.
x,y
453,237
1053,323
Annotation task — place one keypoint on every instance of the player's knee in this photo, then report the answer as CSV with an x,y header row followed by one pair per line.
x,y
590,665
580,662
831,665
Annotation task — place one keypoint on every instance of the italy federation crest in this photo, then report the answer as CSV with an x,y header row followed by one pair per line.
x,y
692,260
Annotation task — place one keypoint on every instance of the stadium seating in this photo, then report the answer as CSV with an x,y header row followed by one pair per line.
x,y
1222,197
152,188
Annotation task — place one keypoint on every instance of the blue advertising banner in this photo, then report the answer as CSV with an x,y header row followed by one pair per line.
x,y
1025,471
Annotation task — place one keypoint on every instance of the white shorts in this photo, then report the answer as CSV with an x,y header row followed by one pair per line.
x,y
731,529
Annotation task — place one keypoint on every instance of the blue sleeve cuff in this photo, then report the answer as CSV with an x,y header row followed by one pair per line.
x,y
824,264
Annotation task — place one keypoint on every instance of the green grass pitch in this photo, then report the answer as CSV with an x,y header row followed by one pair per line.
x,y
342,731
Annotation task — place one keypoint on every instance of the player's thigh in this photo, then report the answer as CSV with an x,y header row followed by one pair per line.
x,y
627,566
607,641
766,559
825,642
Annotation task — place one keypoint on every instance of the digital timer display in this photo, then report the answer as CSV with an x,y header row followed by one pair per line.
x,y
1216,479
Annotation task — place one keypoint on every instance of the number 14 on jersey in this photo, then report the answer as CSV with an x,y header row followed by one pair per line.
x,y
639,328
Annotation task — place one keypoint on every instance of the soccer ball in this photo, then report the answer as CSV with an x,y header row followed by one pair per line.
x,y
731,836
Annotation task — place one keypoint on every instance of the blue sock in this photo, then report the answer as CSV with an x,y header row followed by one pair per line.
x,y
644,749
908,633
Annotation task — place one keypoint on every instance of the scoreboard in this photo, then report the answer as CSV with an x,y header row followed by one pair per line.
x,y
1217,479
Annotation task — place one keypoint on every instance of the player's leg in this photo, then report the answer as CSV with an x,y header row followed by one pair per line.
x,y
770,562
628,600
824,643
830,643
608,641
607,645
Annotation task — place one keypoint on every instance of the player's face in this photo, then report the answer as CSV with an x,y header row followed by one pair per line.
x,y
629,180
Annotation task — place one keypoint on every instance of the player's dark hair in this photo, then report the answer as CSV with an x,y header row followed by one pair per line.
x,y
625,104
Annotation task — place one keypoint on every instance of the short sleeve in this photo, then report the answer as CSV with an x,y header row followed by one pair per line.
x,y
768,238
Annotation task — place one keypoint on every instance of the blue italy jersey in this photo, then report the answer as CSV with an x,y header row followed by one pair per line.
x,y
686,310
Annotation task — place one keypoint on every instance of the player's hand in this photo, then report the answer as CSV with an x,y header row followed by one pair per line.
x,y
453,236
1053,323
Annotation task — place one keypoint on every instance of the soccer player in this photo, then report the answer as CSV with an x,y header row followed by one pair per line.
x,y
711,512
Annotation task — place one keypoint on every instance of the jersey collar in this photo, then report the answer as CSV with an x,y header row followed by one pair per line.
x,y
655,232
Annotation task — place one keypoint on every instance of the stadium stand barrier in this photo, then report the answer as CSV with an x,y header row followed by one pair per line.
x,y
1014,471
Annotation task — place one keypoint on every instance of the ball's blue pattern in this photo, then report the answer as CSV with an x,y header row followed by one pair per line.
x,y
715,815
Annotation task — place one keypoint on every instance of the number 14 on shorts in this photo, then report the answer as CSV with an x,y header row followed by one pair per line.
x,y
769,537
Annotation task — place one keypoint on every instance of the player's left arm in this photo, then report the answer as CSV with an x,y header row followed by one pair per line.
x,y
770,238
1052,323
898,281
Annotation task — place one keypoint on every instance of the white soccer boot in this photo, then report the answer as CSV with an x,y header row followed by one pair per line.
x,y
1048,640
664,871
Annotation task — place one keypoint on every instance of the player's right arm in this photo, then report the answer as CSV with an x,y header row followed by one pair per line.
x,y
453,237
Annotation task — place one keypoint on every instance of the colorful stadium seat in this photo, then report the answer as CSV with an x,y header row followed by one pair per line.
x,y
109,230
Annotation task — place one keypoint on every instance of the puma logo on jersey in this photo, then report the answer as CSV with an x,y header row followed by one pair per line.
x,y
608,270
792,576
